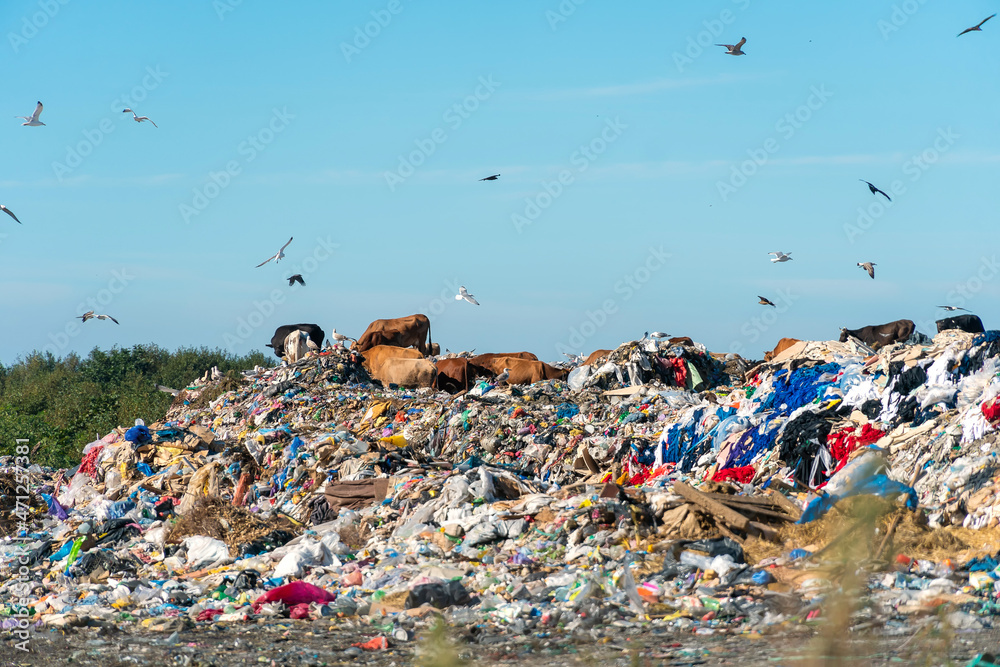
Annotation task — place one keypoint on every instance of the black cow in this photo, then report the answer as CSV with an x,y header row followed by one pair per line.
x,y
880,335
967,323
315,333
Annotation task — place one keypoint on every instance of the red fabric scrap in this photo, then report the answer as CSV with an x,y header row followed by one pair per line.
x,y
209,614
991,411
376,644
88,465
297,592
299,611
743,475
843,443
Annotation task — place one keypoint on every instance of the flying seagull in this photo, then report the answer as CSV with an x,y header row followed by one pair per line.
x,y
764,301
276,257
490,178
10,213
976,28
139,119
735,49
574,358
32,120
780,256
464,294
952,309
875,191
297,278
89,315
869,267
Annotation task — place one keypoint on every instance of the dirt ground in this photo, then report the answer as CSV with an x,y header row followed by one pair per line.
x,y
317,643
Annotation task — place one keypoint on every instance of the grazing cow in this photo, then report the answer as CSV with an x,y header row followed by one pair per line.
x,y
525,371
377,356
876,336
486,360
409,373
410,331
596,356
457,374
967,323
315,333
782,345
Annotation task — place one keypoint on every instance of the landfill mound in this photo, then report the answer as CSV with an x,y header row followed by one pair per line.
x,y
661,485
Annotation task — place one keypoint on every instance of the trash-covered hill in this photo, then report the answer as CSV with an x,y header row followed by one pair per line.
x,y
663,486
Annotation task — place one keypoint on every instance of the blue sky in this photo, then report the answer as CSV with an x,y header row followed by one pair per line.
x,y
641,123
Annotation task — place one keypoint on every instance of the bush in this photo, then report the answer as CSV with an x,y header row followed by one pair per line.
x,y
59,405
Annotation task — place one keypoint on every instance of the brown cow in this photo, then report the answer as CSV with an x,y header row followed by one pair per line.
x,y
596,356
409,373
376,356
458,374
525,371
410,331
782,345
880,335
486,360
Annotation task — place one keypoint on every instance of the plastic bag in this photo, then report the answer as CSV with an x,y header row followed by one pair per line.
x,y
202,550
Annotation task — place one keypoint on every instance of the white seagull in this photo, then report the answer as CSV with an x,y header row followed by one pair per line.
x,y
780,256
464,294
952,309
89,315
139,119
340,338
276,257
10,213
32,120
657,334
502,377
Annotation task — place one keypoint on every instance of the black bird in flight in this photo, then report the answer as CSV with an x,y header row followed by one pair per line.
x,y
976,28
10,213
297,278
764,301
490,178
875,191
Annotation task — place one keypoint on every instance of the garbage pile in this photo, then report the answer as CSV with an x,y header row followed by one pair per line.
x,y
660,485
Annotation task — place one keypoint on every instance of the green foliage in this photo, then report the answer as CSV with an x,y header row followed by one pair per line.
x,y
60,405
